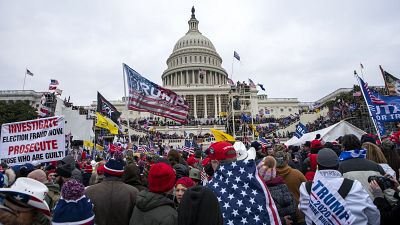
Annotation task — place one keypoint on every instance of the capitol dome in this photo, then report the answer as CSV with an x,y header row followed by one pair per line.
x,y
194,61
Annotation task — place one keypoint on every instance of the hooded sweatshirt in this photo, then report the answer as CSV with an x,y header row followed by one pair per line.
x,y
153,208
199,206
131,176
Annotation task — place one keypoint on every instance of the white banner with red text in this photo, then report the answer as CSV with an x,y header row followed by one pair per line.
x,y
41,140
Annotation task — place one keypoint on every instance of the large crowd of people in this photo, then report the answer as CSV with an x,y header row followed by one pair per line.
x,y
357,178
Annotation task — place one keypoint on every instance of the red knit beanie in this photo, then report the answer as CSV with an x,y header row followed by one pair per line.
x,y
161,178
185,181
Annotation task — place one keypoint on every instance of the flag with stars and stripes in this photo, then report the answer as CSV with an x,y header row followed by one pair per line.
x,y
142,149
243,196
146,96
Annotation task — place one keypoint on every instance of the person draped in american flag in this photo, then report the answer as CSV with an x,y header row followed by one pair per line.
x,y
242,195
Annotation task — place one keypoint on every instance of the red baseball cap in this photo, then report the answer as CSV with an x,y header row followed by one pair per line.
x,y
221,150
316,144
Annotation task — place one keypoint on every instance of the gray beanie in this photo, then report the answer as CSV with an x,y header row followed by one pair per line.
x,y
327,158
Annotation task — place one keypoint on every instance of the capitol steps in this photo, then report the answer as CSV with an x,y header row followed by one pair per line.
x,y
305,118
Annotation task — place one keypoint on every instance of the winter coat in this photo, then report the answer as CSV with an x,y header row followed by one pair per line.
x,y
283,199
76,173
357,200
199,206
113,201
153,209
360,169
53,195
389,214
131,176
293,179
86,179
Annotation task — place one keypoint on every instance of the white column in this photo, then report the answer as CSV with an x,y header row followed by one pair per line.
x,y
205,106
195,106
215,106
219,103
194,82
187,78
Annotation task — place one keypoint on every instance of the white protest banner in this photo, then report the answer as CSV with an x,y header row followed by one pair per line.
x,y
327,207
40,140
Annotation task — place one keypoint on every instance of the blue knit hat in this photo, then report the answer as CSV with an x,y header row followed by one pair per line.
x,y
73,208
115,166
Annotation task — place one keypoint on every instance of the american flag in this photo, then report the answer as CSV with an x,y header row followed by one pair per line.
x,y
142,149
236,55
243,196
252,83
263,142
230,82
188,147
189,150
146,96
375,99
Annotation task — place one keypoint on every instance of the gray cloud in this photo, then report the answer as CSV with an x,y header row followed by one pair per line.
x,y
303,49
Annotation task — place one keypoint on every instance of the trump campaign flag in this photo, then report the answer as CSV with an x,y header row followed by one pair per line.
x,y
381,108
147,96
300,130
242,194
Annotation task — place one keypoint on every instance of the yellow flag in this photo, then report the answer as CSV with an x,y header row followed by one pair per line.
x,y
88,144
222,136
106,123
99,147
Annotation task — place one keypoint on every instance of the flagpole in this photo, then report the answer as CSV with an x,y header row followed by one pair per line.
x,y
233,119
233,60
126,103
251,114
369,110
362,71
23,87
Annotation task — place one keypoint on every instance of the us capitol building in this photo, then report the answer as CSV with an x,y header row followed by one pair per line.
x,y
195,72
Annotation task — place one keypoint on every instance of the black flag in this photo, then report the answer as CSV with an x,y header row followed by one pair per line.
x,y
105,108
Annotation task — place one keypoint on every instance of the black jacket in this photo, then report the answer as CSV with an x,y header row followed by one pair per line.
x,y
199,206
153,209
389,214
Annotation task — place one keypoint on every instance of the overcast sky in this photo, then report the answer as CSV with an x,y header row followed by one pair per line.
x,y
303,49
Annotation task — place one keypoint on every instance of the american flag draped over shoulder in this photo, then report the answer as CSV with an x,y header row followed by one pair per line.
x,y
147,96
243,196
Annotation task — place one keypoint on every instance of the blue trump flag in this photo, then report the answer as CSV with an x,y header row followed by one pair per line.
x,y
381,108
300,130
242,194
